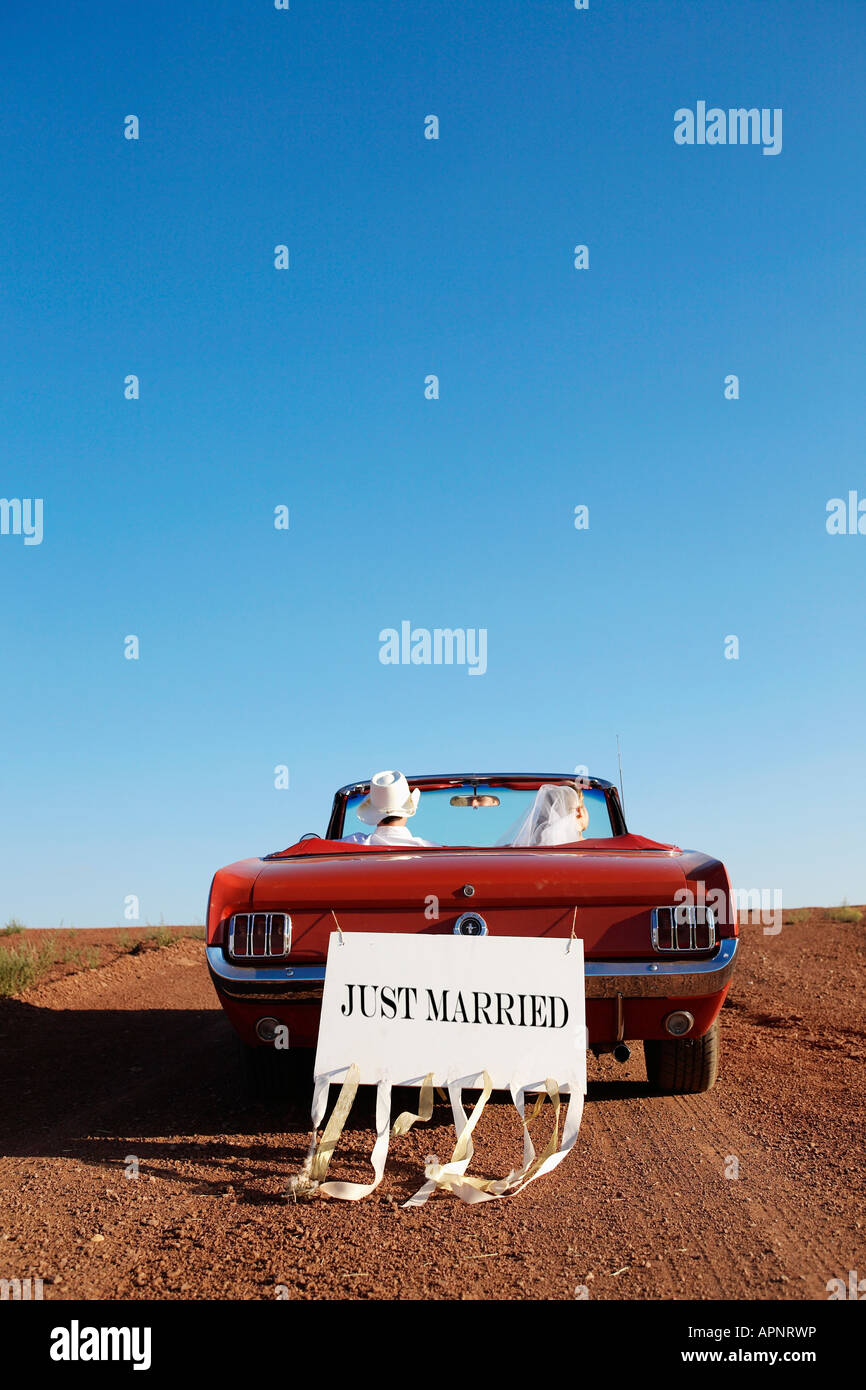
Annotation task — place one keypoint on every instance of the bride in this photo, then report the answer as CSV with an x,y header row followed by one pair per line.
x,y
557,816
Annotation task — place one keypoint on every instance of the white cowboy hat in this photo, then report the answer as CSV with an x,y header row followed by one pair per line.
x,y
389,796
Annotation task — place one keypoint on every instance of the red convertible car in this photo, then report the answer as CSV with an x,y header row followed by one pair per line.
x,y
658,923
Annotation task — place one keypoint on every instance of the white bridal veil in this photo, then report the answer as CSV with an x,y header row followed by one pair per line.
x,y
551,819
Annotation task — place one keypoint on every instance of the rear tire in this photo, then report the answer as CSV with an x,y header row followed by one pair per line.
x,y
273,1075
683,1066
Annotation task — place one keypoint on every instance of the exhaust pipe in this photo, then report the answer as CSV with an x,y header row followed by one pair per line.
x,y
622,1052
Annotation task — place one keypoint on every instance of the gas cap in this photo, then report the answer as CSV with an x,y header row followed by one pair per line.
x,y
470,924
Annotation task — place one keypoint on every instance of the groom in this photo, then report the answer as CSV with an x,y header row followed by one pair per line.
x,y
388,807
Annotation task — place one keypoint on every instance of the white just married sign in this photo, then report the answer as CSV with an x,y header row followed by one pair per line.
x,y
477,1013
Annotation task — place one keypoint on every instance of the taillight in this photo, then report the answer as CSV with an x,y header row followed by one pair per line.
x,y
664,938
239,936
260,934
683,928
705,930
278,945
253,935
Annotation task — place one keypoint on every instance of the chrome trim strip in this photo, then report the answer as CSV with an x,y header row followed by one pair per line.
x,y
295,993
633,979
640,979
264,974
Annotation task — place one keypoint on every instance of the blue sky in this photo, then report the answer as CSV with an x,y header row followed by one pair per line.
x,y
305,387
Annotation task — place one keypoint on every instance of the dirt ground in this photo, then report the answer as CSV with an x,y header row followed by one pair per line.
x,y
131,1059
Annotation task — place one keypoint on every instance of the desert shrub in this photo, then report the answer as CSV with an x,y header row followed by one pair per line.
x,y
22,966
80,957
163,936
844,913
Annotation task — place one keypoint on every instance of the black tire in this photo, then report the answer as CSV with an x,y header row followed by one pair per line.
x,y
274,1075
683,1066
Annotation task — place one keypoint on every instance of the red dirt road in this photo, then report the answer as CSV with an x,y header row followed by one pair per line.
x,y
133,1059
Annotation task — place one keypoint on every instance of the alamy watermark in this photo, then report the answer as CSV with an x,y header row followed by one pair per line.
x,y
441,646
855,1288
20,1290
765,904
735,126
77,1343
22,516
846,518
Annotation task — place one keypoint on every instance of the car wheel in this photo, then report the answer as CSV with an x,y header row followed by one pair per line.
x,y
683,1066
272,1075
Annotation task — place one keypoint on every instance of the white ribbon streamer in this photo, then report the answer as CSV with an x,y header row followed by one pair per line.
x,y
354,1191
305,1183
451,1176
448,1175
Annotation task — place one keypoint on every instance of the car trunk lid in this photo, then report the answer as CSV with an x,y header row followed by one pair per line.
x,y
605,897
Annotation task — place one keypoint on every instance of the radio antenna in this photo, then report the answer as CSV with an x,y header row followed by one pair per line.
x,y
619,760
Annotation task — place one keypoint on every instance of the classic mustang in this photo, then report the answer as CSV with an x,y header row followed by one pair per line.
x,y
658,923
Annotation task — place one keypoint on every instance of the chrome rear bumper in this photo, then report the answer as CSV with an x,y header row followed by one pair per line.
x,y
673,979
605,979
